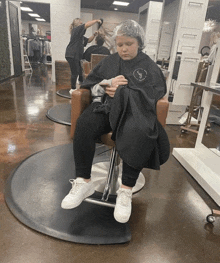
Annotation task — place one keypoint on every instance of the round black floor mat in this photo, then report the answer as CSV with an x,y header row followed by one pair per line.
x,y
64,93
34,192
60,113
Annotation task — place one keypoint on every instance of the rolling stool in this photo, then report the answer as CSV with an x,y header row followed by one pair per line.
x,y
108,186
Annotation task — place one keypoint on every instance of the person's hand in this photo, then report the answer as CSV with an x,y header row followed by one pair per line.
x,y
119,81
100,21
116,82
95,34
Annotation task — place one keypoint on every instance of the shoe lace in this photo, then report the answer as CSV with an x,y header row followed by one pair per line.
x,y
75,186
124,197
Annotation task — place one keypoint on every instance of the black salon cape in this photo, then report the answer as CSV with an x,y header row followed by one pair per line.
x,y
133,116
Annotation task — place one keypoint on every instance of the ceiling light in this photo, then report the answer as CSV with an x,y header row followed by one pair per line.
x,y
40,19
33,15
120,3
116,9
26,9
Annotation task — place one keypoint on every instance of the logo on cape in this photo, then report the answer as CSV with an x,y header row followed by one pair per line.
x,y
140,74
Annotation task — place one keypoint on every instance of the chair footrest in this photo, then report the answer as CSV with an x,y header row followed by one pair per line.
x,y
96,198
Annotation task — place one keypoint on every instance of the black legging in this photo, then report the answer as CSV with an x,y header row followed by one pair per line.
x,y
76,71
90,126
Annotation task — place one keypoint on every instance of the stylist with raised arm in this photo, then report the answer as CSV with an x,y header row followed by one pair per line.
x,y
75,48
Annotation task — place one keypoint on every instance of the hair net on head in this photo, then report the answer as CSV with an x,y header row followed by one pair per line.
x,y
130,28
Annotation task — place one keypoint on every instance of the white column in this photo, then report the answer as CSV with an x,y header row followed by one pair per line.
x,y
150,16
62,14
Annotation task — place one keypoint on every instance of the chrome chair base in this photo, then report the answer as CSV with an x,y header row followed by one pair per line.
x,y
99,174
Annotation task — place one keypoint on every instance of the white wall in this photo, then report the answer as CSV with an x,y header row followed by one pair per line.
x,y
170,12
88,17
169,19
62,14
150,16
111,18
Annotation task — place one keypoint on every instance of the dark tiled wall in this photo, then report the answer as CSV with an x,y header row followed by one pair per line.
x,y
5,70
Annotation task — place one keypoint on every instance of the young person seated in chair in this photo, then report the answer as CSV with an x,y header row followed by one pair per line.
x,y
125,88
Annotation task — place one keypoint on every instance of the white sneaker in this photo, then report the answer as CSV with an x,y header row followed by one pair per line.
x,y
80,190
122,210
71,91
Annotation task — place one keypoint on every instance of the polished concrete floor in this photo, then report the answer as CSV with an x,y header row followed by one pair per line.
x,y
168,221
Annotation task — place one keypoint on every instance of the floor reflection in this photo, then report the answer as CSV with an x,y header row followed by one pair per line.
x,y
24,102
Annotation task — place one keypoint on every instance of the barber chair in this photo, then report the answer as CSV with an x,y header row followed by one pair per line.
x,y
80,100
88,66
44,176
96,58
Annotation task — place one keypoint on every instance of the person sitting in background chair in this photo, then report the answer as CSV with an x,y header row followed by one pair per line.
x,y
96,49
134,84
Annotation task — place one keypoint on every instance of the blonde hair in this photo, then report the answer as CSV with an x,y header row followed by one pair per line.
x,y
214,37
76,22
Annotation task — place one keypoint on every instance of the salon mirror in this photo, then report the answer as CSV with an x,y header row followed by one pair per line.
x,y
211,136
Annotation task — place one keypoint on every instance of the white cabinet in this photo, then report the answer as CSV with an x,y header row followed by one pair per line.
x,y
194,14
191,25
166,39
187,73
187,39
150,19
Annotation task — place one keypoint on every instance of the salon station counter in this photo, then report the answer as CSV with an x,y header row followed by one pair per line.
x,y
201,162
